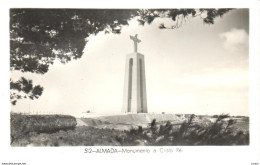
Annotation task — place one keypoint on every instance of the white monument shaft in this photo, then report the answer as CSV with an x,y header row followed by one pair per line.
x,y
134,99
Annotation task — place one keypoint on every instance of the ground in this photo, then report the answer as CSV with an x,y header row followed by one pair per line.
x,y
140,130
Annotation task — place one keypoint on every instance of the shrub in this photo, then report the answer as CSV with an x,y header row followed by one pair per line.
x,y
220,132
22,125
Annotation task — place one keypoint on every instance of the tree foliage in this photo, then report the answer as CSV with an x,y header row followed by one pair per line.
x,y
180,15
39,36
24,88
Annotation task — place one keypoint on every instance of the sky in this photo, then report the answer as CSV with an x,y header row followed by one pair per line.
x,y
197,68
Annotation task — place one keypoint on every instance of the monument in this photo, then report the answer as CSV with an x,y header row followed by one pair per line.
x,y
134,98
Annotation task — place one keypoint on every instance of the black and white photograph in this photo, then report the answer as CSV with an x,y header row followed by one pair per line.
x,y
127,77
127,80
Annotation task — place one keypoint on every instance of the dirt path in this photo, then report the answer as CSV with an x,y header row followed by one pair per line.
x,y
80,122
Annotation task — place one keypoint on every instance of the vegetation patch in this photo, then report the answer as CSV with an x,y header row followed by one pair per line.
x,y
39,130
188,133
24,125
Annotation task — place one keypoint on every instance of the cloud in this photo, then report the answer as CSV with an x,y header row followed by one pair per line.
x,y
221,79
235,39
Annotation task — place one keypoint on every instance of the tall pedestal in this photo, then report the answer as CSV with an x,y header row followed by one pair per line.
x,y
134,99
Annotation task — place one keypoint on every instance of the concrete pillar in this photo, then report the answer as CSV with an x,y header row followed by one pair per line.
x,y
134,98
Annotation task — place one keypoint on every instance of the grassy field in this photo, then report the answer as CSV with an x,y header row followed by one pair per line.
x,y
61,131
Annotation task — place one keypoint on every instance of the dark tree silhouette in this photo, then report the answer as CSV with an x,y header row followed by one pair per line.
x,y
179,15
39,36
24,88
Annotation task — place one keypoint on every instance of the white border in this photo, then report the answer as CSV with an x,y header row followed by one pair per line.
x,y
190,155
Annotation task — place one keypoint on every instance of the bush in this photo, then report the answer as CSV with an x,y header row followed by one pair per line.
x,y
22,125
220,132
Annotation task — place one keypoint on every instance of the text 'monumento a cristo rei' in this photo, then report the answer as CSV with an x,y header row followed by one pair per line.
x,y
134,99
